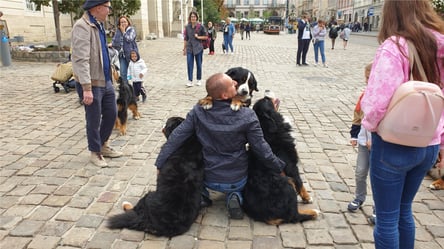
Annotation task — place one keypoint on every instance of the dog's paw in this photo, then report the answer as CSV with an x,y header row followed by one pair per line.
x,y
236,104
137,117
308,200
437,185
206,103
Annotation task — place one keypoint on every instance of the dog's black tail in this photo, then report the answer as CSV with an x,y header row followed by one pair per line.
x,y
129,219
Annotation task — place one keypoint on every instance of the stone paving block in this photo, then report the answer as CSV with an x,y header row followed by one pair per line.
x,y
32,199
294,239
131,235
56,228
56,200
8,222
99,208
70,214
209,244
77,237
345,236
81,202
19,210
44,213
119,244
240,233
319,237
236,244
263,229
156,244
14,242
212,233
44,242
265,242
102,240
183,242
89,221
27,228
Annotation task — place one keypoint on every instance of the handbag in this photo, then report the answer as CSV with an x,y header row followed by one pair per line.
x,y
414,110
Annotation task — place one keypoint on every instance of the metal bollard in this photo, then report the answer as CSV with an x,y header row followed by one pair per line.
x,y
5,52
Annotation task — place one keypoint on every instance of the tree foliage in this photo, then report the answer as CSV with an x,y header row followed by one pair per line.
x,y
214,10
439,6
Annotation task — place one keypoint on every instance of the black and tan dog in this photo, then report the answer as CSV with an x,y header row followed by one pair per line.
x,y
438,176
125,101
175,205
268,196
246,84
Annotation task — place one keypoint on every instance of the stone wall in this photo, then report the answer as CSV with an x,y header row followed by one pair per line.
x,y
40,56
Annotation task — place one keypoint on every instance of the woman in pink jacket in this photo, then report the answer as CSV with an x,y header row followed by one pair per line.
x,y
396,171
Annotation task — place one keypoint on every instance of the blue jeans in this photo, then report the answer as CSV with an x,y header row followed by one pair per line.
x,y
319,46
396,173
100,115
228,42
123,64
228,188
190,65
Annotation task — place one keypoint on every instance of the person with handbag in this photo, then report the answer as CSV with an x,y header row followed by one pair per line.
x,y
192,47
396,171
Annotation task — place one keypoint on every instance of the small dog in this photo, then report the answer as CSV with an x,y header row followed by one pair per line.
x,y
438,175
268,196
246,84
175,205
125,101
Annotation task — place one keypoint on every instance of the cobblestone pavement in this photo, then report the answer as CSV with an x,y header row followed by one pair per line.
x,y
52,197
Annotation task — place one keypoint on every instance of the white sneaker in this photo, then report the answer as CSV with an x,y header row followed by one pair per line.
x,y
108,151
189,84
325,65
198,83
97,159
316,64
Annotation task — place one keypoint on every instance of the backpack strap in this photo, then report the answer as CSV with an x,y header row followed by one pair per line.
x,y
414,57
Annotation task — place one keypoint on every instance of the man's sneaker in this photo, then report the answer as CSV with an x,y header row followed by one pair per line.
x,y
234,208
354,205
198,83
97,159
108,151
189,84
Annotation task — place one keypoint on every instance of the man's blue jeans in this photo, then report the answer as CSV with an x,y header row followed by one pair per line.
x,y
100,115
229,189
396,173
190,65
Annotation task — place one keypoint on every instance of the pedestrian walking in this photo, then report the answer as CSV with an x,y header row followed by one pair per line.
x,y
229,32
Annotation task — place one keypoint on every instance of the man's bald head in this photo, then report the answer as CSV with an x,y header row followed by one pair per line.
x,y
221,86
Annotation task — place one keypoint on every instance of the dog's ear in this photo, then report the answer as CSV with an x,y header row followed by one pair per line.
x,y
253,83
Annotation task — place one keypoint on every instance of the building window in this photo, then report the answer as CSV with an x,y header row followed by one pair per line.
x,y
257,2
246,2
30,6
265,2
238,2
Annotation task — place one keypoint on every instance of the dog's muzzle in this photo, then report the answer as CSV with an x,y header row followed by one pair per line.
x,y
244,89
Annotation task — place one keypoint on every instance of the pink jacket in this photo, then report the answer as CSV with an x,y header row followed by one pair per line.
x,y
390,69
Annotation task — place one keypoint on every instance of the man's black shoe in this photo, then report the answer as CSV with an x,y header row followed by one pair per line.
x,y
234,208
304,64
205,201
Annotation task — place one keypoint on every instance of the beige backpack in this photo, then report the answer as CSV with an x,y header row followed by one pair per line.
x,y
414,110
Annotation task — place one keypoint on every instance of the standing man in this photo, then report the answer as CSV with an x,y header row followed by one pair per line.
x,y
92,68
304,37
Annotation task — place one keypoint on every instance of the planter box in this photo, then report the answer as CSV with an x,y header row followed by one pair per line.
x,y
40,56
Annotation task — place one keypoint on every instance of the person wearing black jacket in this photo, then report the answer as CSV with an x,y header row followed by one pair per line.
x,y
304,37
